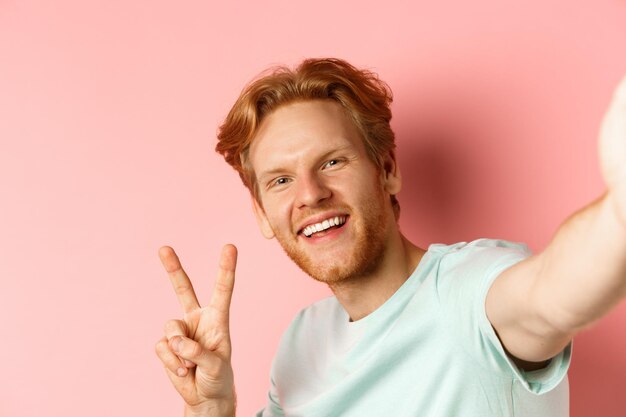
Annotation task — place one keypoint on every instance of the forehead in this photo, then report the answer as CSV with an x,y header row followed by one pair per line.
x,y
303,129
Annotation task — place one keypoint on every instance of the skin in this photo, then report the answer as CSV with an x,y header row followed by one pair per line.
x,y
536,307
196,350
311,164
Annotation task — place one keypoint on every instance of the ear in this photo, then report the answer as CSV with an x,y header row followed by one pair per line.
x,y
392,180
261,218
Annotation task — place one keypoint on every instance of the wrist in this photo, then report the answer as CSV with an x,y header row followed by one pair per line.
x,y
216,408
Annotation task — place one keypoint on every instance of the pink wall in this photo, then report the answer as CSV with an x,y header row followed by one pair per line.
x,y
108,111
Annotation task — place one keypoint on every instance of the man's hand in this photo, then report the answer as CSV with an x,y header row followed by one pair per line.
x,y
612,150
196,350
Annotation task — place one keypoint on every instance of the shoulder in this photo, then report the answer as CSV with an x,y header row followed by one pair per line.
x,y
466,270
478,245
480,253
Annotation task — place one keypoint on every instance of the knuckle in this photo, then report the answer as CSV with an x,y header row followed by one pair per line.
x,y
167,358
160,346
167,326
181,288
172,326
223,287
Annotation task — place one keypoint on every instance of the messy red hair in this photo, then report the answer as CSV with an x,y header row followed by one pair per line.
x,y
361,93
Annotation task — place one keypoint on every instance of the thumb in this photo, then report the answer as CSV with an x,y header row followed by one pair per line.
x,y
193,351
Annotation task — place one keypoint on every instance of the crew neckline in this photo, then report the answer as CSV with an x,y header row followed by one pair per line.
x,y
413,280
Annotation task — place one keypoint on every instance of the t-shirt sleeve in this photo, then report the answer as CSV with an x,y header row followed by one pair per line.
x,y
465,275
273,408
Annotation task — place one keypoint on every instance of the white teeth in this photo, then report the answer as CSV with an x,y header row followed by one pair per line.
x,y
318,227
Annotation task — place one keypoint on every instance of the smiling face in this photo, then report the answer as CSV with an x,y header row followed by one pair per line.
x,y
319,194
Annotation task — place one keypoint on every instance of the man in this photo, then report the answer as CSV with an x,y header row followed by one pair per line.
x,y
409,331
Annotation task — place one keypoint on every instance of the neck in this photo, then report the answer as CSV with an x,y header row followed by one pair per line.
x,y
363,294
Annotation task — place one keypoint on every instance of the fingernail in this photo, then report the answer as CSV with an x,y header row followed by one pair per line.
x,y
176,344
180,372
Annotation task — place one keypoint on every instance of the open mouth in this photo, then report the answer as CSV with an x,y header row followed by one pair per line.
x,y
324,227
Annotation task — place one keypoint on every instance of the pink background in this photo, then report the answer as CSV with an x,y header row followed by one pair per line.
x,y
108,113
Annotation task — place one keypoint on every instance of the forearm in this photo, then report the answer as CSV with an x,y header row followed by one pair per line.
x,y
583,269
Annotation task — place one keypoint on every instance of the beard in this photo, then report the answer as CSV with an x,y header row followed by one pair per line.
x,y
363,258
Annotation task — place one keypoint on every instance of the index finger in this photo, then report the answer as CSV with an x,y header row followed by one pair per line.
x,y
224,284
180,281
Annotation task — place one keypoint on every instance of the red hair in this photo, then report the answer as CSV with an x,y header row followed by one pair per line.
x,y
361,93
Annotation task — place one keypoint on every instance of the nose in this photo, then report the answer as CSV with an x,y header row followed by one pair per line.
x,y
311,190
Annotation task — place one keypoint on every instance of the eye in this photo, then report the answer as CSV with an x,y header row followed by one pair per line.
x,y
332,163
279,181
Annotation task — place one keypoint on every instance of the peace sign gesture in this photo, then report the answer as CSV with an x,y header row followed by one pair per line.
x,y
196,350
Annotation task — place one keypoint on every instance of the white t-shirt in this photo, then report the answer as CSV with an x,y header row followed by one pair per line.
x,y
428,351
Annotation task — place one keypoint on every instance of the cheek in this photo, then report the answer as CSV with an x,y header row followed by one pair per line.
x,y
360,189
278,214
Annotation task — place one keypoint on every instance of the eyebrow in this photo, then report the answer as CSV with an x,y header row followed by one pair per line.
x,y
271,172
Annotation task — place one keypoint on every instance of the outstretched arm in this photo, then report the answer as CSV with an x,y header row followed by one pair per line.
x,y
539,304
196,351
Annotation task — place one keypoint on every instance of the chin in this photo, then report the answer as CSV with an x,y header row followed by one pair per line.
x,y
364,259
362,254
